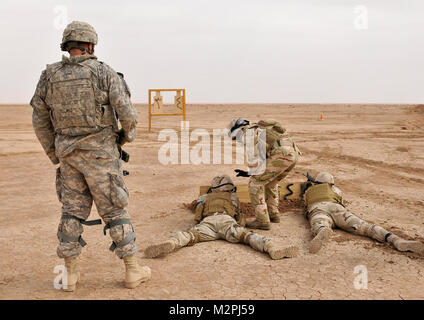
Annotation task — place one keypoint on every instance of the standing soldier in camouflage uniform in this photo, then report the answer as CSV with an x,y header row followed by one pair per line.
x,y
75,110
218,216
325,211
281,156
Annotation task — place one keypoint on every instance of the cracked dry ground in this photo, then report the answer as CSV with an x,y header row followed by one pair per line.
x,y
376,153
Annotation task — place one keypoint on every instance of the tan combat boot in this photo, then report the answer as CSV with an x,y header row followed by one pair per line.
x,y
156,250
261,222
320,239
274,217
257,224
134,274
406,245
72,274
277,252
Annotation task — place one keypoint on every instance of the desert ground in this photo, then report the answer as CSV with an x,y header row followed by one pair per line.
x,y
376,153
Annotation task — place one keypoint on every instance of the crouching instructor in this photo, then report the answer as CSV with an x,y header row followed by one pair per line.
x,y
76,107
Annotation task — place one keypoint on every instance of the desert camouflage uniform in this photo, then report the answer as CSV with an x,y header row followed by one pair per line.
x,y
219,225
227,223
263,188
331,213
86,147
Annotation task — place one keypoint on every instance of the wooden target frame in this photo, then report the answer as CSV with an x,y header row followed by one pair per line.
x,y
156,110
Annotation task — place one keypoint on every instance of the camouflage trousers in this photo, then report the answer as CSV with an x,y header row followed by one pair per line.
x,y
263,189
219,226
84,176
332,215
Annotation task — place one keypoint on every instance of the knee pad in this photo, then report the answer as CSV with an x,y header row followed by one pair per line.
x,y
194,237
121,231
70,229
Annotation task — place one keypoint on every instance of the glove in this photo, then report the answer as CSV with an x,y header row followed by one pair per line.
x,y
242,173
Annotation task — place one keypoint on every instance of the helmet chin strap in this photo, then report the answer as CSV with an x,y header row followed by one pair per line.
x,y
83,49
224,184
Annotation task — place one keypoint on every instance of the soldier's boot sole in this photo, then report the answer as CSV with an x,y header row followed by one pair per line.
x,y
255,224
280,253
145,274
156,250
320,239
413,246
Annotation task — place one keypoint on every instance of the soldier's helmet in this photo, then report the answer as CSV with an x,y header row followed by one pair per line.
x,y
222,182
325,177
78,31
235,127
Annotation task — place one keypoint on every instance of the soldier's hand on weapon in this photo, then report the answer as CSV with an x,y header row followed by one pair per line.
x,y
242,173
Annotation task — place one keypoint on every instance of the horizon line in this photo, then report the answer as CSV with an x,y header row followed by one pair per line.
x,y
205,103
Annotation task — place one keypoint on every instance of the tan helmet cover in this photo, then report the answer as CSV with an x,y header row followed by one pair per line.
x,y
222,182
235,127
325,177
78,31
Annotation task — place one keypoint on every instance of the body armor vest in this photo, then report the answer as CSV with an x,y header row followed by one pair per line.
x,y
321,193
278,140
218,202
78,105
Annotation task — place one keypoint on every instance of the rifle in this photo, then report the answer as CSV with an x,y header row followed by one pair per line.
x,y
307,184
310,178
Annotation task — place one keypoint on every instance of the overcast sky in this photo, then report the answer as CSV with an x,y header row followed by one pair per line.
x,y
230,51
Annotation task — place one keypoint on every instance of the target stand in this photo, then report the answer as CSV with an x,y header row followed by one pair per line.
x,y
156,104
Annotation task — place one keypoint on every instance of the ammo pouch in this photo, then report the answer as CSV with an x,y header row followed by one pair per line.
x,y
127,239
66,238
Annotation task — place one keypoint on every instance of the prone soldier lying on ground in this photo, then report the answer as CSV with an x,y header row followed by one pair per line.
x,y
325,211
219,217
